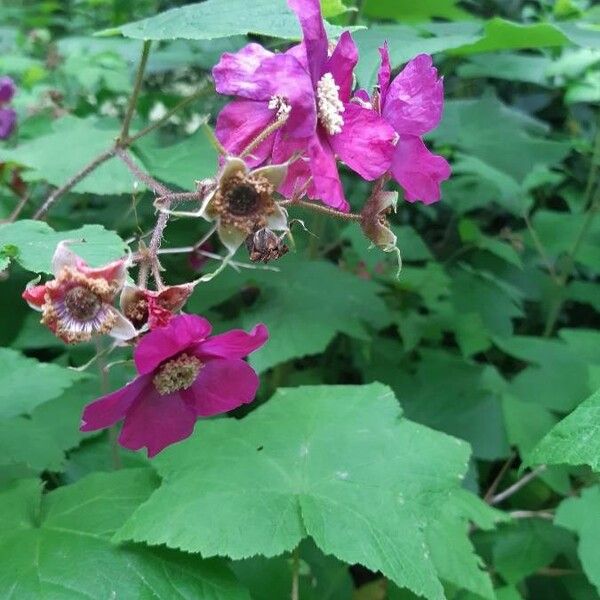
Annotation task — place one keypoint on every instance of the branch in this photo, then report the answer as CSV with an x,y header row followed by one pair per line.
x,y
492,489
515,487
322,209
82,174
139,78
155,186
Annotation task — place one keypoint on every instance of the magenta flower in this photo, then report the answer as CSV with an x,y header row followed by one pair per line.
x,y
412,103
183,375
8,117
313,88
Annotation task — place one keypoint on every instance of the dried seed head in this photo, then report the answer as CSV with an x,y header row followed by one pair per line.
x,y
265,245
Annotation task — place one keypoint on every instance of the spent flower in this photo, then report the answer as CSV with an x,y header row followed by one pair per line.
x,y
183,375
78,303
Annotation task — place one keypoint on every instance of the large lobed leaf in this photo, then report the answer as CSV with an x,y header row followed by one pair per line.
x,y
336,463
215,19
58,546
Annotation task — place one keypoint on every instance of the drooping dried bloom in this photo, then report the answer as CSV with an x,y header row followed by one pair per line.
x,y
243,201
78,303
412,103
8,117
265,245
312,88
374,223
153,308
183,375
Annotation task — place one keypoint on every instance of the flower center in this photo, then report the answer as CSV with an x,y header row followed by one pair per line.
x,y
280,104
330,107
177,374
82,303
242,200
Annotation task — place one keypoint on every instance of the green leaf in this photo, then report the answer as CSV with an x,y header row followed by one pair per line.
x,y
27,383
500,34
582,515
32,244
509,66
333,8
215,19
575,440
291,304
405,43
415,11
73,143
274,476
58,546
181,164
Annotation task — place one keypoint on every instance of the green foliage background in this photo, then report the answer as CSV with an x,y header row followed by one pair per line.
x,y
394,415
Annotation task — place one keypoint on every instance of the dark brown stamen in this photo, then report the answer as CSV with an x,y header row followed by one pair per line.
x,y
242,200
82,303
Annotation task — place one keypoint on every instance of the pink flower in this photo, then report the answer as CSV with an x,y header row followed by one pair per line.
x,y
8,117
312,87
78,303
413,103
153,308
183,375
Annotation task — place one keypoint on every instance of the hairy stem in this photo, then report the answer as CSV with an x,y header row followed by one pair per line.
x,y
80,175
155,186
137,86
322,209
263,135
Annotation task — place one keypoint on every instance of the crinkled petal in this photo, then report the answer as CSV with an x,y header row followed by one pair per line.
x,y
65,257
8,120
278,220
123,328
34,295
7,89
274,173
415,98
341,65
223,385
231,237
384,74
155,421
365,143
298,171
326,185
234,73
160,344
239,123
110,409
236,343
418,171
314,36
114,272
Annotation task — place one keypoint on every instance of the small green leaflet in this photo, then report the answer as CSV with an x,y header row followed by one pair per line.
x,y
215,19
575,440
26,383
582,515
336,463
32,244
58,545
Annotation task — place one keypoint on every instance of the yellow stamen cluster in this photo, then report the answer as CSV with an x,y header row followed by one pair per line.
x,y
177,374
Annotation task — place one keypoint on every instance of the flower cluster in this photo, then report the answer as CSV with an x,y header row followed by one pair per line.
x,y
8,117
308,89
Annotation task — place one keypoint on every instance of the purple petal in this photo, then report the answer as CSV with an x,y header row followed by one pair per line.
x,y
418,171
365,142
415,98
239,123
7,89
385,73
223,385
234,72
182,332
326,185
110,409
236,343
298,172
156,421
8,120
341,65
314,36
